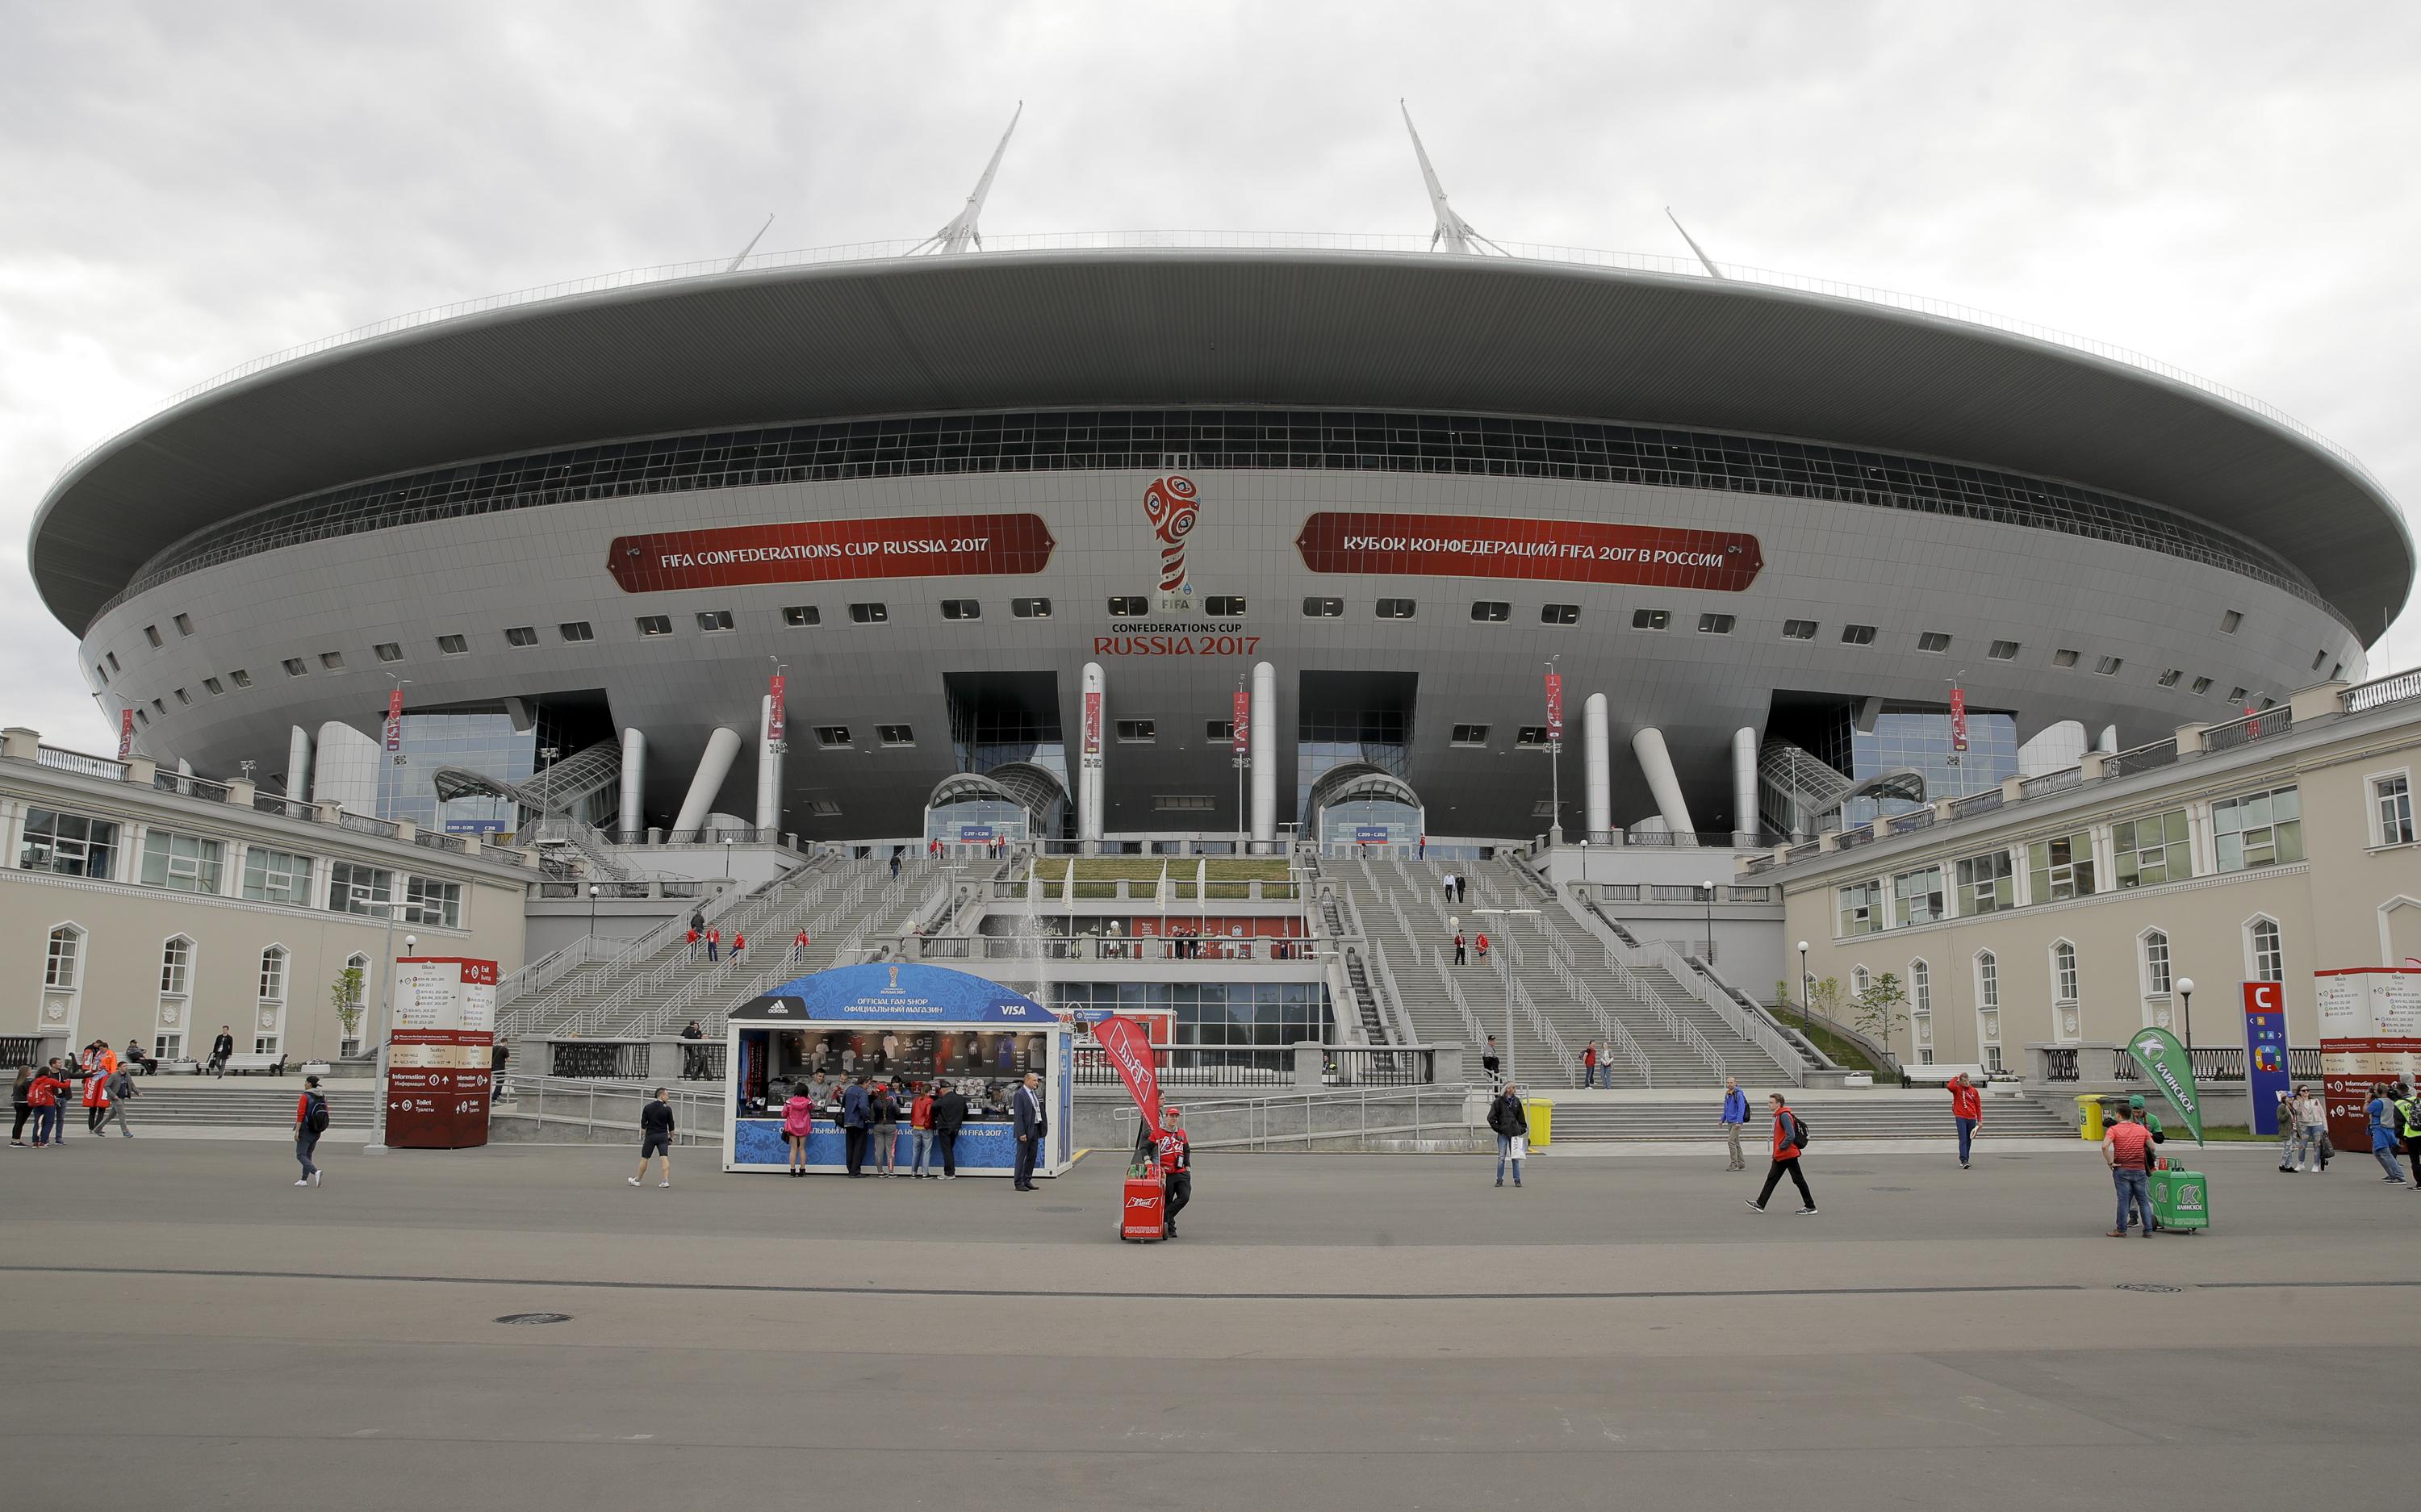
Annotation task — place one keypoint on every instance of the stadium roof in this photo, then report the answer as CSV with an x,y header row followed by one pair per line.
x,y
1167,321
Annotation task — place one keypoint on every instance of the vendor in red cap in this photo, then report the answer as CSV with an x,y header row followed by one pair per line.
x,y
1175,1165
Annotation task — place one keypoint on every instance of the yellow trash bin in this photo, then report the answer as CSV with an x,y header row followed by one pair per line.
x,y
1542,1119
2089,1118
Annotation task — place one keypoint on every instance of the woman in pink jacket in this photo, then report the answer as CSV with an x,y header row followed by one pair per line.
x,y
798,1121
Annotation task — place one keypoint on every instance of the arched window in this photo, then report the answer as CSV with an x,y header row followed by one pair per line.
x,y
1988,1009
1860,980
357,985
176,967
2268,951
1920,1006
269,1014
63,968
2063,972
272,974
2156,962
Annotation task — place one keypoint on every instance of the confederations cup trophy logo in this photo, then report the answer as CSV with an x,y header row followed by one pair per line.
x,y
1173,508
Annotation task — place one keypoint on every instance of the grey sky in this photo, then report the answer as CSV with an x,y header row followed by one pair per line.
x,y
182,187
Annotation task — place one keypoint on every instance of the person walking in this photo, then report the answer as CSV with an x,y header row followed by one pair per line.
x,y
692,1052
949,1117
1966,1111
222,1050
798,1122
692,946
21,1097
122,1091
96,1098
1488,1058
1790,1141
920,1135
2295,1145
895,864
1588,1064
853,1110
1029,1125
1482,943
799,948
2312,1112
1510,1123
310,1122
1447,882
1458,949
1735,1119
2407,1112
2379,1114
1421,851
1176,1168
882,1109
739,943
2126,1148
713,945
656,1136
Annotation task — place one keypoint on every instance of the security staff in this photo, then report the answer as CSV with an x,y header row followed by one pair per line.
x,y
1176,1166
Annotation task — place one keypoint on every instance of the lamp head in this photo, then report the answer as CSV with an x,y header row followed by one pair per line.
x,y
2185,984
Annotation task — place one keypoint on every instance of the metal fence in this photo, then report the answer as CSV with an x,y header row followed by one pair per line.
x,y
598,1060
1268,1065
20,1049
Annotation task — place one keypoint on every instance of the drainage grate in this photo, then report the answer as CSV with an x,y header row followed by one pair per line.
x,y
2146,1286
1059,1210
535,1317
1890,1189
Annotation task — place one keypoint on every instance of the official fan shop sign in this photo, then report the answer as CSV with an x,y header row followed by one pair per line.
x,y
2370,1032
1558,550
438,1080
896,991
826,551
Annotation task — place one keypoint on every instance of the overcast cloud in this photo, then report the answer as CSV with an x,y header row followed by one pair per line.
x,y
186,186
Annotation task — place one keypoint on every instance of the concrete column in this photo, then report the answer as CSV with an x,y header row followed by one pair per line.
x,y
1597,768
1264,755
1656,764
715,765
1744,786
635,771
298,763
769,768
1094,744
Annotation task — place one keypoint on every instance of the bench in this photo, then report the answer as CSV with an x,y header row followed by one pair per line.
x,y
266,1065
1938,1075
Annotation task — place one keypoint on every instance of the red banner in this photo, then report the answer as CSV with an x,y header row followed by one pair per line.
x,y
1242,731
394,720
1129,1049
773,725
125,733
823,550
1092,723
1958,719
1554,709
1562,550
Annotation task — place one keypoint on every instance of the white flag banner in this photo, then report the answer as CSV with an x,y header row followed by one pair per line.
x,y
1159,891
1067,888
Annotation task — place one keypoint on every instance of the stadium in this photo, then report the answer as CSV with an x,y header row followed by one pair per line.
x,y
1365,493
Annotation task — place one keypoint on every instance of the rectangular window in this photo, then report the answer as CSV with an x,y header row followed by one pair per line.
x,y
2228,621
1857,635
184,698
1799,630
212,687
1530,735
1137,730
151,634
2201,686
2173,677
387,652
1988,983
1560,613
431,902
1716,624
2063,659
333,660
713,621
655,624
521,635
2061,868
1225,606
2150,852
2392,800
824,808
1491,610
2156,965
143,719
832,736
453,645
1651,619
1183,803
182,863
159,708
1129,606
69,845
2236,696
800,616
1934,641
575,630
276,877
2108,666
1917,896
1322,608
1471,735
294,667
895,734
101,672
1030,608
112,662
2004,652
357,889
184,624
2258,830
2320,656
1984,884
1395,608
961,609
1219,729
1858,911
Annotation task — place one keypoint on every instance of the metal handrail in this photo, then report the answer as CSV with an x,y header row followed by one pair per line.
x,y
1608,1025
2380,691
1454,994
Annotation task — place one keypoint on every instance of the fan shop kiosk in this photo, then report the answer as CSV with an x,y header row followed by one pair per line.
x,y
908,1023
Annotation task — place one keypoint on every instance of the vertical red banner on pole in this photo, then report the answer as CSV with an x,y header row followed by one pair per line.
x,y
1092,723
1554,709
1128,1047
2252,731
1242,731
1958,719
125,733
773,725
395,721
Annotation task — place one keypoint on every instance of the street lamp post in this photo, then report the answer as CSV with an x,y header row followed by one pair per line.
x,y
1806,988
2185,998
1506,972
1711,921
1583,863
727,858
592,911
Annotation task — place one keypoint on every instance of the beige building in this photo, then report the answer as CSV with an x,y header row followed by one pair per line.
x,y
139,904
2067,911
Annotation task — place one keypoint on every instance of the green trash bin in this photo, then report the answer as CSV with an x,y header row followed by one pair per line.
x,y
2181,1200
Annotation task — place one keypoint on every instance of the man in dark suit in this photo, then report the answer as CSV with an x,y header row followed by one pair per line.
x,y
1025,1110
854,1113
949,1117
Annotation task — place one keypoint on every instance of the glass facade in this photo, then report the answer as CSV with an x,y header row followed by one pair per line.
x,y
1918,739
1213,1013
2258,830
2149,851
484,743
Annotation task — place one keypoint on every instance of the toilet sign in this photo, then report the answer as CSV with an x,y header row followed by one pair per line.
x,y
438,1080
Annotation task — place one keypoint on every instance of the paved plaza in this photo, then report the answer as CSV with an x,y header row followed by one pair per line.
x,y
1333,1331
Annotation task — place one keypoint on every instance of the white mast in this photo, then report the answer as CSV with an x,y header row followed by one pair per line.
x,y
962,232
751,246
1456,233
1705,261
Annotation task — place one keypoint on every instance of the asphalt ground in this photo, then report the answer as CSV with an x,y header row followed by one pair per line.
x,y
182,1327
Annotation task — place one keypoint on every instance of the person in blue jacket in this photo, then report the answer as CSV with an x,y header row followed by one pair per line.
x,y
2380,1111
854,1110
1735,1116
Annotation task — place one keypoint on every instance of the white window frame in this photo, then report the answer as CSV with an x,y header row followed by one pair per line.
x,y
2255,968
2067,991
1860,980
2385,820
177,966
2156,974
352,1044
374,895
57,846
445,914
1920,1009
1873,907
1988,1009
2267,829
201,868
71,980
261,891
1935,902
273,984
2119,879
2053,882
1990,895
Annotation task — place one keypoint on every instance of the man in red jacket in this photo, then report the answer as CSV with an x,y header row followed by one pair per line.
x,y
1785,1158
44,1097
1967,1109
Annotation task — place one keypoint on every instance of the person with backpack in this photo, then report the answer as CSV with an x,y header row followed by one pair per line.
x,y
656,1136
2379,1114
1789,1141
122,1091
1512,1123
1735,1119
42,1095
310,1122
920,1135
1966,1111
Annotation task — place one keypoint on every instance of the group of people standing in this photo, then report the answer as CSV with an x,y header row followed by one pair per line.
x,y
41,1096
